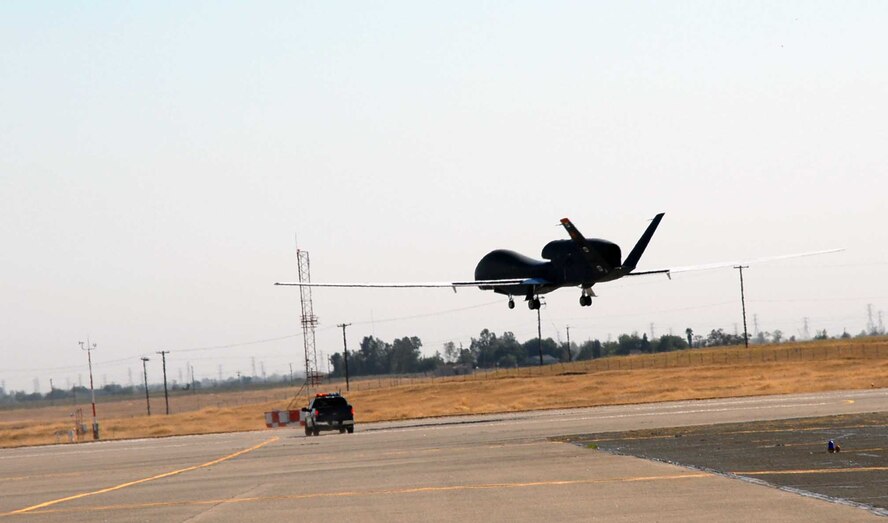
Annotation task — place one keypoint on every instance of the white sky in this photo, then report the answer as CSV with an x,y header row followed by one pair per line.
x,y
156,160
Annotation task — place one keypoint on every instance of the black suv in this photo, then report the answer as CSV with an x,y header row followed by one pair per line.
x,y
329,411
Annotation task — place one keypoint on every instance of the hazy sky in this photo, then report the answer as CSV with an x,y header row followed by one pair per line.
x,y
157,160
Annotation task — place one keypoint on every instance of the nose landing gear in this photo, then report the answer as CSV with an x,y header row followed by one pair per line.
x,y
511,303
586,297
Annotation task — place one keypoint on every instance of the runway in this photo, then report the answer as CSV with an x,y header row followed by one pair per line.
x,y
490,468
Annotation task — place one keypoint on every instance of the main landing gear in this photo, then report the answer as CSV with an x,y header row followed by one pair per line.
x,y
532,303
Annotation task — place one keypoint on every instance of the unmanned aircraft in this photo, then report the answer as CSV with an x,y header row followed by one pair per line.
x,y
578,262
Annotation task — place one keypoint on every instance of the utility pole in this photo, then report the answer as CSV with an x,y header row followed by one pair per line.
x,y
743,303
89,348
145,374
345,351
569,356
291,374
870,324
166,394
193,390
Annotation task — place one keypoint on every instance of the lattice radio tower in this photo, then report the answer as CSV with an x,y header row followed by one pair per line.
x,y
309,323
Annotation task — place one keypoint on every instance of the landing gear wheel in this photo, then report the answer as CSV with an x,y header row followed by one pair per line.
x,y
585,301
511,303
350,430
316,432
533,304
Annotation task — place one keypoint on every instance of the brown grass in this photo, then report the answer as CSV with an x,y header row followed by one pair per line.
x,y
692,374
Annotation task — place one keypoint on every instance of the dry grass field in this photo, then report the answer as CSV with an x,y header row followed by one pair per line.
x,y
690,374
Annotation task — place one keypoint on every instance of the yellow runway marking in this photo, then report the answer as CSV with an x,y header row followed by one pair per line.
x,y
413,490
138,481
810,471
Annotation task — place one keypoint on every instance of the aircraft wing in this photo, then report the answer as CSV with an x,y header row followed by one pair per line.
x,y
721,265
414,285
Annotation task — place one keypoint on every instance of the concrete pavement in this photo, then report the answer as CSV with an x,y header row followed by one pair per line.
x,y
490,468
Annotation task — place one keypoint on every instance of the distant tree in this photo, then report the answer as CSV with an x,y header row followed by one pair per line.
x,y
668,343
777,336
466,357
451,352
57,394
430,363
531,348
371,358
627,343
338,363
596,349
404,355
821,335
585,351
497,351
690,333
718,337
845,335
645,345
24,396
484,348
589,350
115,389
564,352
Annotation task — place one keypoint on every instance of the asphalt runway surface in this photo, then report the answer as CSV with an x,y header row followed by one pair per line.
x,y
474,468
792,454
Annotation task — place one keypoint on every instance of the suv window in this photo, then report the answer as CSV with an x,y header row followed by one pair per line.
x,y
324,403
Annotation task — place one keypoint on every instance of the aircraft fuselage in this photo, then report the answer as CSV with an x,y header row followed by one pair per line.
x,y
564,265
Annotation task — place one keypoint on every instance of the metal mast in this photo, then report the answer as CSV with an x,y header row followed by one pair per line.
x,y
309,323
